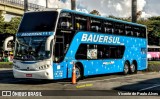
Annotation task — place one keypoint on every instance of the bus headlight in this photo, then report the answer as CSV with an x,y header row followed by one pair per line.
x,y
44,67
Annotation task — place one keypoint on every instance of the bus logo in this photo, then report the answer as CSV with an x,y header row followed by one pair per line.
x,y
100,38
27,68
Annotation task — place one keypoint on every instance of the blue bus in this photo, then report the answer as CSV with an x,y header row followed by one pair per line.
x,y
49,42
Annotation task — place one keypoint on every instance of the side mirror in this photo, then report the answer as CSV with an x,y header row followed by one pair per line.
x,y
7,40
48,42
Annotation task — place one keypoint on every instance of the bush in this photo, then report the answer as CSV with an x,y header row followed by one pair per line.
x,y
153,66
6,64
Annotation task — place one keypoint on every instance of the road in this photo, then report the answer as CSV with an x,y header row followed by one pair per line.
x,y
143,83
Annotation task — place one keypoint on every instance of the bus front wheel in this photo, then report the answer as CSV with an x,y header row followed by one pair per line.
x,y
126,68
78,73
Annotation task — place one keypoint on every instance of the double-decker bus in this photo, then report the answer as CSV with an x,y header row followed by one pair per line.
x,y
49,42
153,52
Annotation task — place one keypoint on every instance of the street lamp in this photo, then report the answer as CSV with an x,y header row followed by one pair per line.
x,y
73,4
25,5
46,3
134,11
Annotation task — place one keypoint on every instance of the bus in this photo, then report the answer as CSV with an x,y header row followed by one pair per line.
x,y
153,52
49,42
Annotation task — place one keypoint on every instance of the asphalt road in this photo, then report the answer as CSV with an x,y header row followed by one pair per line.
x,y
143,83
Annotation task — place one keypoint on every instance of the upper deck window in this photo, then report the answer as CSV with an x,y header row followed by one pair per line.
x,y
38,21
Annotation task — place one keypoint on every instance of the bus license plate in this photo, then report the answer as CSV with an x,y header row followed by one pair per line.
x,y
28,75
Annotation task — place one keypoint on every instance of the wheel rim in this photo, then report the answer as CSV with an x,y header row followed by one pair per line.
x,y
78,74
133,68
126,68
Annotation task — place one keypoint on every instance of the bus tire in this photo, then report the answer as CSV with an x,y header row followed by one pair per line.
x,y
79,74
133,67
126,68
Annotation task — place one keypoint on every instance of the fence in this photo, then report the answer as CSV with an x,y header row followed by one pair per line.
x,y
20,3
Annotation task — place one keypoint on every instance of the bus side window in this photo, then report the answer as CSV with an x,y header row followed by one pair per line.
x,y
122,29
81,52
95,25
65,24
136,31
58,50
128,30
80,22
65,21
116,52
92,51
119,28
143,32
108,27
101,52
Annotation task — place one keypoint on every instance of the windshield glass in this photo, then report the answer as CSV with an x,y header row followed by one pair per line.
x,y
31,48
38,21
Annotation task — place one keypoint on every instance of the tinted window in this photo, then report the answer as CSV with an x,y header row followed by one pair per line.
x,y
108,27
81,22
65,21
95,25
143,32
110,51
82,52
38,21
128,30
119,28
92,51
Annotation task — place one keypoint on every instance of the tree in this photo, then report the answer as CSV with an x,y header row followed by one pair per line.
x,y
12,26
153,27
95,12
2,23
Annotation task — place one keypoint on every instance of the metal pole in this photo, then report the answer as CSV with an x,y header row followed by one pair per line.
x,y
46,3
73,4
134,11
25,5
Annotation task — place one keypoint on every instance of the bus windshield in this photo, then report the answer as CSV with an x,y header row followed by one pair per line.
x,y
38,21
31,48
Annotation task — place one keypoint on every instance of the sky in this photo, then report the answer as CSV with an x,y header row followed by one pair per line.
x,y
118,8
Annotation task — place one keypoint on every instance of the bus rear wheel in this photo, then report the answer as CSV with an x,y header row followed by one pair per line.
x,y
133,69
126,68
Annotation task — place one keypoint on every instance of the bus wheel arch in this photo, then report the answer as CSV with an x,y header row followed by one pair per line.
x,y
133,67
126,67
79,66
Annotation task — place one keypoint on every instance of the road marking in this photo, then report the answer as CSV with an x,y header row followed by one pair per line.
x,y
156,85
114,78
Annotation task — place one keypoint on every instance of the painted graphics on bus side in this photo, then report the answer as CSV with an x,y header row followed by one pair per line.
x,y
92,67
100,38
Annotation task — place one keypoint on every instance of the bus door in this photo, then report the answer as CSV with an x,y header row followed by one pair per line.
x,y
58,53
143,57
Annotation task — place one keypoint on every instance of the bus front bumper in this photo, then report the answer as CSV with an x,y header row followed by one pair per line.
x,y
42,74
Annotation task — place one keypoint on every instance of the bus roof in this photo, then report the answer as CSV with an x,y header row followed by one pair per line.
x,y
89,15
101,17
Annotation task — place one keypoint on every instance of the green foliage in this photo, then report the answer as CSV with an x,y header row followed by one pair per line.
x,y
10,27
95,12
2,23
153,63
153,28
6,63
